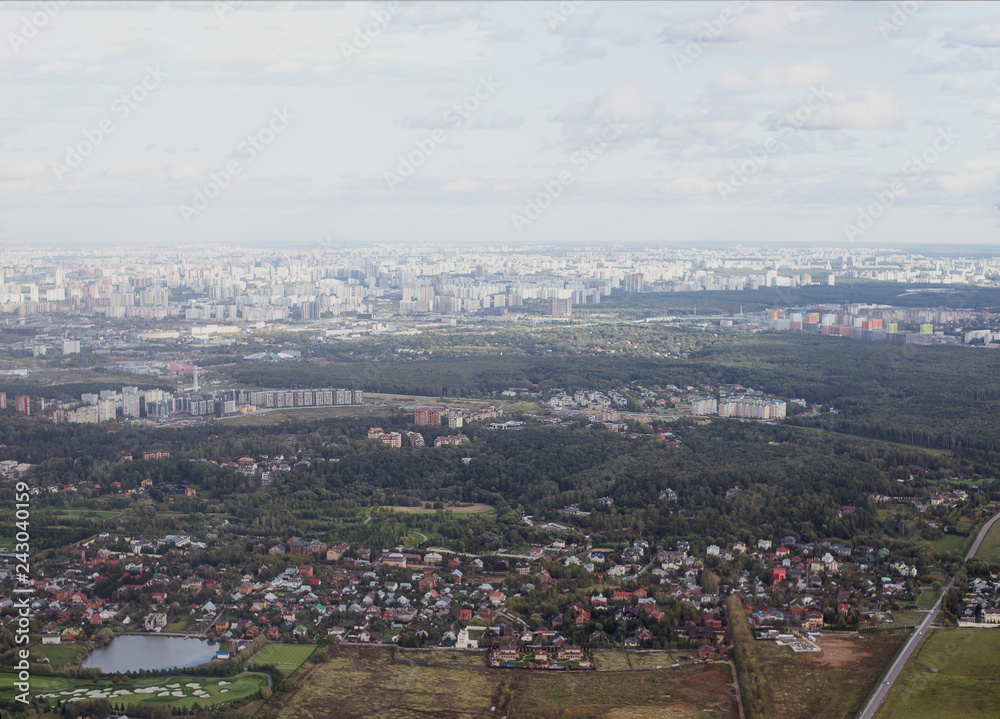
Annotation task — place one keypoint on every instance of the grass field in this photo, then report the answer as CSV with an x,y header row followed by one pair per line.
x,y
415,537
524,406
989,550
171,691
953,543
87,513
471,660
967,663
183,624
59,655
471,509
305,414
53,516
616,659
927,598
694,691
908,617
831,683
286,657
367,681
420,401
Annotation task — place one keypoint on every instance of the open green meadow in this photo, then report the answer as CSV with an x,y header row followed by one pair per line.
x,y
181,692
953,543
927,598
908,617
286,657
952,674
304,414
468,509
989,550
59,655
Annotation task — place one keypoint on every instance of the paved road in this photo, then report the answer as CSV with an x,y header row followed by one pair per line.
x,y
879,695
981,536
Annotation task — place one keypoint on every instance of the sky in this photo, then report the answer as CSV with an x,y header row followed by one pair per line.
x,y
510,123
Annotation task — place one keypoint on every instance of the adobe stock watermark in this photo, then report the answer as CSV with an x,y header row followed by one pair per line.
x,y
22,574
562,13
249,149
329,243
32,24
554,187
913,169
455,116
121,108
224,6
758,157
365,34
714,29
901,14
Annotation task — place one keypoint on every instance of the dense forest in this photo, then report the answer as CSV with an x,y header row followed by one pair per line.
x,y
733,481
846,291
934,396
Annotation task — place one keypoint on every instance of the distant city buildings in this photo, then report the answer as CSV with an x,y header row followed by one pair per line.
x,y
158,404
746,408
704,406
560,306
880,323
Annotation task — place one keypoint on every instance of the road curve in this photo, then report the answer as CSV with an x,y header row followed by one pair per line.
x,y
981,536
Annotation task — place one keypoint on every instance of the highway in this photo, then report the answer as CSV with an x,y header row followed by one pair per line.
x,y
890,677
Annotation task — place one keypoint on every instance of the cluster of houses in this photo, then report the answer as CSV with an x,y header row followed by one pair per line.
x,y
395,439
336,593
947,499
980,607
566,656
612,407
645,595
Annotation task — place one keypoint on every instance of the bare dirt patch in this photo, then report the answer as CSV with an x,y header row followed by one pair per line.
x,y
831,683
837,652
369,682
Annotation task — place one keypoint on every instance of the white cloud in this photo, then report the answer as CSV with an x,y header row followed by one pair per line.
x,y
625,105
977,177
964,83
464,184
559,88
804,74
979,34
868,110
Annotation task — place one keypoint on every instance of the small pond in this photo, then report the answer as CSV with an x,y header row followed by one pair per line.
x,y
130,652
